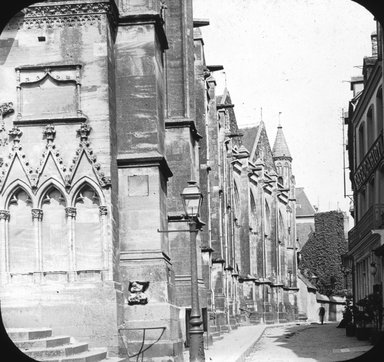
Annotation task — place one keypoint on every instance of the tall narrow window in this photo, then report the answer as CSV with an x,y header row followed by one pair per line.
x,y
55,245
371,195
361,143
379,110
88,241
371,134
22,243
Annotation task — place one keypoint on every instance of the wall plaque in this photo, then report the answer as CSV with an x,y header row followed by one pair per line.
x,y
48,93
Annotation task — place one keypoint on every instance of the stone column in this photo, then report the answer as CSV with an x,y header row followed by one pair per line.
x,y
37,217
4,267
70,213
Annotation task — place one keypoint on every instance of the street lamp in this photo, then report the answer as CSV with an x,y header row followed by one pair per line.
x,y
315,278
192,199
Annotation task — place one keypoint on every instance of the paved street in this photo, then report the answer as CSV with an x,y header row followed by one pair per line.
x,y
309,342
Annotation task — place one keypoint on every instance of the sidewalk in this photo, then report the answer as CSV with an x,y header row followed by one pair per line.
x,y
236,345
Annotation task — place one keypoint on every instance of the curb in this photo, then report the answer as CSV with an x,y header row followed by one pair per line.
x,y
246,353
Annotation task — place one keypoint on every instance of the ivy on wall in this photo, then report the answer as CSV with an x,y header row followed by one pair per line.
x,y
321,254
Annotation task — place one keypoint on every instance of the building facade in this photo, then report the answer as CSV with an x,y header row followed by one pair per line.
x,y
365,151
108,110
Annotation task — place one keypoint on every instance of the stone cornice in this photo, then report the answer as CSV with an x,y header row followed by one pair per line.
x,y
124,161
181,123
148,18
68,13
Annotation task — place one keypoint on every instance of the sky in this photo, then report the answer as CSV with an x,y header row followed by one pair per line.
x,y
295,57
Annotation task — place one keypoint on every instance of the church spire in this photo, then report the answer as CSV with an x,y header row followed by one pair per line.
x,y
280,148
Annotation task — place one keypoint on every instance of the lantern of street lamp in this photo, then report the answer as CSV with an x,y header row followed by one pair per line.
x,y
192,199
315,278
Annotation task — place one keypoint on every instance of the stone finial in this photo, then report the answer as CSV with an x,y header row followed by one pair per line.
x,y
49,133
84,131
16,134
6,108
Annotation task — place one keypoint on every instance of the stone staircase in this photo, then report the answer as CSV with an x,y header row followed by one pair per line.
x,y
40,345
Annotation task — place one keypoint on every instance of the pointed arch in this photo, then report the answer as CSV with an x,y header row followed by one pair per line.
x,y
267,219
21,233
88,228
85,180
54,230
282,229
45,186
12,187
252,203
236,198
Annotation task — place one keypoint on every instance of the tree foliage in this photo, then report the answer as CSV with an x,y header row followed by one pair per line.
x,y
321,255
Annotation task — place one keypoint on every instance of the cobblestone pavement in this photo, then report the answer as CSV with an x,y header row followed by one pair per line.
x,y
309,342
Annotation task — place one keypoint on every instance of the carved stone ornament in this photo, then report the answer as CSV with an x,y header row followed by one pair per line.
x,y
16,134
103,210
136,291
70,212
84,131
37,214
84,147
4,215
6,108
68,13
17,151
49,133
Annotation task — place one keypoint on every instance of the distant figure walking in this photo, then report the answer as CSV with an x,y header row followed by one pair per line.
x,y
321,314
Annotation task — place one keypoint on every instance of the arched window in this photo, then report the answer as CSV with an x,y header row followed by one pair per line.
x,y
371,135
253,204
236,199
88,241
21,237
281,229
379,110
267,219
54,234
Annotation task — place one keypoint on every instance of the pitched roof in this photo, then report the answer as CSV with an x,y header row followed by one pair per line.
x,y
303,205
307,283
249,136
280,148
255,140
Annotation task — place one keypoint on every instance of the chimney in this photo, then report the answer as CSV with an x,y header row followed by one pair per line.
x,y
374,44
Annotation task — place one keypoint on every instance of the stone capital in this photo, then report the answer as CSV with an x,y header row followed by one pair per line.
x,y
4,215
70,212
37,214
103,210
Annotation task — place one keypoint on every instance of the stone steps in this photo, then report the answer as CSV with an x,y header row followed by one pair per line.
x,y
39,344
56,352
43,342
